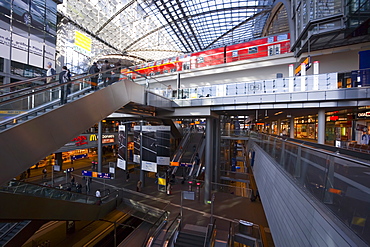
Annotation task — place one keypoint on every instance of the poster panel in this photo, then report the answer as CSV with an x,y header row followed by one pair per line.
x,y
163,137
35,53
122,149
136,158
19,49
5,43
149,143
49,55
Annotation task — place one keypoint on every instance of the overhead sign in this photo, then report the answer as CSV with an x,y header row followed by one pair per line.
x,y
96,174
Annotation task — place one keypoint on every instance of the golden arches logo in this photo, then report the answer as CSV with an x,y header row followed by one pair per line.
x,y
93,138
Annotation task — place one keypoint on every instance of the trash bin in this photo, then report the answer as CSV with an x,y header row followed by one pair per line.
x,y
245,227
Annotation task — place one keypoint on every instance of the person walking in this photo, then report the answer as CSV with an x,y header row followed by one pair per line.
x,y
138,186
98,197
44,172
64,78
94,78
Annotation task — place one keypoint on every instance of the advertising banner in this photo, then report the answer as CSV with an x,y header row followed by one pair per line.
x,y
5,43
122,149
88,141
163,137
49,54
19,49
149,148
136,158
35,53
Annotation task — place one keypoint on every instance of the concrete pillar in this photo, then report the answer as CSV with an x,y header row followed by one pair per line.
x,y
100,146
321,127
7,70
59,160
217,150
142,172
291,125
208,162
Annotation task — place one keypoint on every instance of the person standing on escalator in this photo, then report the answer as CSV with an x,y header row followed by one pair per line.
x,y
64,78
106,75
94,78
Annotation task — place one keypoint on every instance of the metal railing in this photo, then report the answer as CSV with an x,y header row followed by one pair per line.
x,y
317,82
172,231
18,187
155,230
339,182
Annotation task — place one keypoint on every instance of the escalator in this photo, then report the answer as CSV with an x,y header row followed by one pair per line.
x,y
190,146
40,124
25,201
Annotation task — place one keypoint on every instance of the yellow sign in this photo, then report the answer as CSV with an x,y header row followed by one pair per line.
x,y
82,41
161,181
93,138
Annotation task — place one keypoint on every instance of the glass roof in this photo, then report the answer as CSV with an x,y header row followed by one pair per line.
x,y
154,29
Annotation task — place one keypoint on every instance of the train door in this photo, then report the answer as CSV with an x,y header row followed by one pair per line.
x,y
274,50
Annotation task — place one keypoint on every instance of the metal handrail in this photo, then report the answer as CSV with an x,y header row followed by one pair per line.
x,y
171,230
307,146
153,232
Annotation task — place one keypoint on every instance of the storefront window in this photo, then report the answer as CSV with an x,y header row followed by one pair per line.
x,y
26,70
306,127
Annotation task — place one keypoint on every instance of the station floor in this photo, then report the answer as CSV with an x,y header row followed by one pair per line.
x,y
226,207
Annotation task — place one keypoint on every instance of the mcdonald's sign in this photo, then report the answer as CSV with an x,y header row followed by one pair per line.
x,y
93,137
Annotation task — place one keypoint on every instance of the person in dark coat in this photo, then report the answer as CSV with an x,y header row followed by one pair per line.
x,y
64,77
106,74
94,79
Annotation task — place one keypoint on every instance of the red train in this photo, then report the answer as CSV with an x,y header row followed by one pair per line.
x,y
263,47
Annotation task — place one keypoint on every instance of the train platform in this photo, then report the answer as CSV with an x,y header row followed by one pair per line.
x,y
226,207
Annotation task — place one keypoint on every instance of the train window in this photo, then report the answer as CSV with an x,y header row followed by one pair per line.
x,y
165,71
173,70
271,50
235,54
277,49
158,73
151,74
270,39
282,37
186,66
252,50
200,59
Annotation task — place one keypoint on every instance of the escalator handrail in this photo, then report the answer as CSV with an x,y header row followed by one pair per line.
x,y
153,232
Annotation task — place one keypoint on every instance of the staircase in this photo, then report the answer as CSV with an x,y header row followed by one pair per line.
x,y
187,239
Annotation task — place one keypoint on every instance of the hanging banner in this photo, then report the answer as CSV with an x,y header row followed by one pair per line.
x,y
136,157
163,136
122,149
149,148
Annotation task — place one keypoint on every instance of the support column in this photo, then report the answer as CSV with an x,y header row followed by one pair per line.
x,y
127,154
7,70
321,127
100,146
216,150
178,83
278,127
142,172
208,160
291,129
59,160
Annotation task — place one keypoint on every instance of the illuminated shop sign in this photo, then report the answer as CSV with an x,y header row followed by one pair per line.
x,y
108,138
363,114
93,137
80,140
